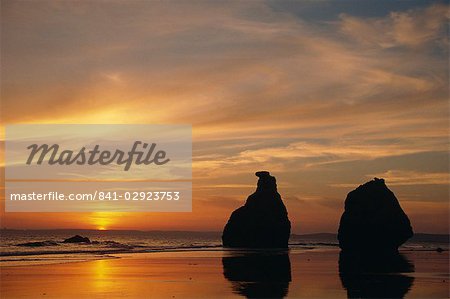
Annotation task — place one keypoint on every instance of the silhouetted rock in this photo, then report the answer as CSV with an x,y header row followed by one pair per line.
x,y
375,275
77,239
373,220
38,244
262,222
258,275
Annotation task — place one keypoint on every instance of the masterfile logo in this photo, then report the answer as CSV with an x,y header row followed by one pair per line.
x,y
52,168
95,156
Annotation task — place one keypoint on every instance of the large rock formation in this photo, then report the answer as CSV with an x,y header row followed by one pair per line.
x,y
373,220
262,222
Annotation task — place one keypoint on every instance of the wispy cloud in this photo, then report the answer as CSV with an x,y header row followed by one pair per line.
x,y
406,178
402,177
412,28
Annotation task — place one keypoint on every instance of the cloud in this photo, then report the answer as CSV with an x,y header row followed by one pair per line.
x,y
307,154
209,64
402,177
412,28
406,178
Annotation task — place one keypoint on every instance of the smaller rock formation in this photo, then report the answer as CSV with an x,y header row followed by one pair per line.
x,y
77,239
262,222
38,244
373,220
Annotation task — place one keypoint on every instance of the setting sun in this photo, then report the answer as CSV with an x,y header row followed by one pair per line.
x,y
102,220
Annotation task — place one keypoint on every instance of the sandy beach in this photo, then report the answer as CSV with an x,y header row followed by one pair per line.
x,y
213,274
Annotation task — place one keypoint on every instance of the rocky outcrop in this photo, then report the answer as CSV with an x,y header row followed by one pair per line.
x,y
373,220
77,239
262,222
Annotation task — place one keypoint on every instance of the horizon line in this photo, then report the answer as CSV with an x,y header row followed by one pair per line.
x,y
184,231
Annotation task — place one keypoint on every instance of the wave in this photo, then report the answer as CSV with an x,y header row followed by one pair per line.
x,y
38,244
109,247
104,247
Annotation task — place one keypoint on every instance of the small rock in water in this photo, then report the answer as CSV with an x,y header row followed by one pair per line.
x,y
77,239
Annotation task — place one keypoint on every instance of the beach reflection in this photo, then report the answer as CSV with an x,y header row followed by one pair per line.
x,y
375,276
102,274
258,274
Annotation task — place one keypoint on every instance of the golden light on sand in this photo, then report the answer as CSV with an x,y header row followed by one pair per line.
x,y
100,271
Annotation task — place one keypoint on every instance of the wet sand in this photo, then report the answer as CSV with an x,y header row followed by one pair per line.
x,y
213,274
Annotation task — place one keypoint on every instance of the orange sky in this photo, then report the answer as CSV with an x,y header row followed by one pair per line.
x,y
324,98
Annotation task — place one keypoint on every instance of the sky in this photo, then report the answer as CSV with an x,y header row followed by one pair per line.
x,y
325,95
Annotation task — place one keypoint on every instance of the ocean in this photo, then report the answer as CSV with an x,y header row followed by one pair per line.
x,y
46,246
